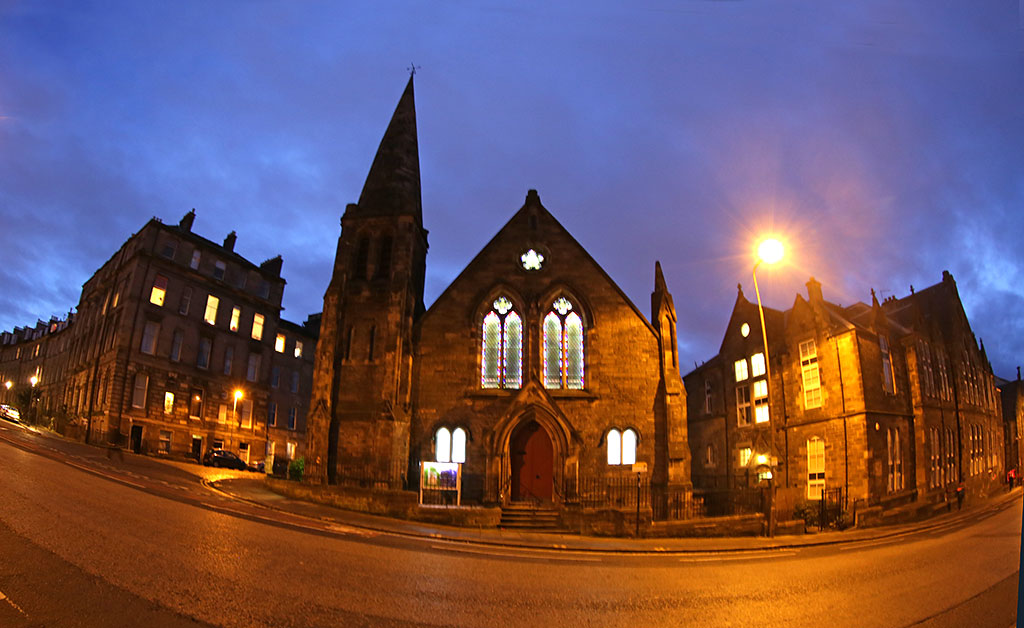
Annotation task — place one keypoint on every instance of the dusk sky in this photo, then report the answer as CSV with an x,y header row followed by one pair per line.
x,y
884,140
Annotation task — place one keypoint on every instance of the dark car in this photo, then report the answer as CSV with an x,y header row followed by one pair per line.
x,y
224,458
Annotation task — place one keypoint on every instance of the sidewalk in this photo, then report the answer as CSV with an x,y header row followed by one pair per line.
x,y
254,491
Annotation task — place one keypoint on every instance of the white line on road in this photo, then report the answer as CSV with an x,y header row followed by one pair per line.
x,y
743,556
4,598
515,554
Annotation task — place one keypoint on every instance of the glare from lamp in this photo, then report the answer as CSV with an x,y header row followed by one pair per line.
x,y
770,251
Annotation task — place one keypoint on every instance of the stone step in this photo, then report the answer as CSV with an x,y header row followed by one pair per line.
x,y
525,516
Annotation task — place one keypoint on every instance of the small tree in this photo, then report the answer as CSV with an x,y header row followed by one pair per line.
x,y
296,469
25,399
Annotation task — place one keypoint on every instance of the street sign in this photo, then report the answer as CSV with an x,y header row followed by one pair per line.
x,y
639,467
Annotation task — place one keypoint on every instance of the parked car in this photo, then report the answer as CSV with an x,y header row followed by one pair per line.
x,y
9,413
224,458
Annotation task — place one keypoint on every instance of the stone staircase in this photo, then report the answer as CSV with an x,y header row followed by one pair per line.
x,y
528,516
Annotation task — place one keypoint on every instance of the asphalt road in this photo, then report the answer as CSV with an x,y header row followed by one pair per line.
x,y
78,549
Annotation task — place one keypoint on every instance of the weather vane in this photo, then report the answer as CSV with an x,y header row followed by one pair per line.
x,y
412,69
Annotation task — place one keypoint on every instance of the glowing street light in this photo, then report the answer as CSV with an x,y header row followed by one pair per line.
x,y
8,384
234,407
769,251
33,380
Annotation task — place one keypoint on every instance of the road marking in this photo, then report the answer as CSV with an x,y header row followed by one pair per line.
x,y
4,598
743,556
516,554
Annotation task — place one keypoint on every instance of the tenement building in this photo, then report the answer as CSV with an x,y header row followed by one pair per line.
x,y
177,347
886,408
532,369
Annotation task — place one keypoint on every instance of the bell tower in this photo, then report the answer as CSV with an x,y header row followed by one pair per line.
x,y
360,405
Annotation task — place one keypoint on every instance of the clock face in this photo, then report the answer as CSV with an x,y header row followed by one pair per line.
x,y
531,260
745,330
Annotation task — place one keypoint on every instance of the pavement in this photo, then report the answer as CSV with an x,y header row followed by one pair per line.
x,y
251,489
254,491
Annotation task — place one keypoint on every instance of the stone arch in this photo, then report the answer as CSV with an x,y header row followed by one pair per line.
x,y
557,430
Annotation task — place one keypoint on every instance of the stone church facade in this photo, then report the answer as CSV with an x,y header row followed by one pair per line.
x,y
533,369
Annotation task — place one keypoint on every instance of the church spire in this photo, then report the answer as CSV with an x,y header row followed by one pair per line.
x,y
393,185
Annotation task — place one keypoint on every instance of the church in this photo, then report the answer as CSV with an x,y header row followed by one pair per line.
x,y
532,369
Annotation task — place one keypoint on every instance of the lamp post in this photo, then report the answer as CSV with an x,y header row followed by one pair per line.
x,y
32,399
769,251
234,407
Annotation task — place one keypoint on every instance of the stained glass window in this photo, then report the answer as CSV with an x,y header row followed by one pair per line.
x,y
531,260
563,355
501,361
552,351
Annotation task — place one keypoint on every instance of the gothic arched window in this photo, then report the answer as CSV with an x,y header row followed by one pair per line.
x,y
563,347
450,445
621,446
501,360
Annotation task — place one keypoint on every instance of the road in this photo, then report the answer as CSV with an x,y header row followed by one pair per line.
x,y
84,546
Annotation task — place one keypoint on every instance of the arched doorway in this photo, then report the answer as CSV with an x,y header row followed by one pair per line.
x,y
532,463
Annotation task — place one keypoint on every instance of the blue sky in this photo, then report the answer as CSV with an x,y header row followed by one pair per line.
x,y
884,139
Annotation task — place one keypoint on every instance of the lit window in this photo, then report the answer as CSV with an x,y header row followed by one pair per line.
x,y
443,445
531,260
458,445
257,327
743,405
563,347
149,336
236,313
621,446
746,453
501,360
252,373
139,390
815,468
298,349
760,401
164,445
210,316
243,452
279,343
744,330
168,402
194,264
810,375
222,413
614,443
218,270
741,370
159,291
290,450
195,403
757,365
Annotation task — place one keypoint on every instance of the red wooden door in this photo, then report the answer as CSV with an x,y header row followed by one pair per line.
x,y
532,463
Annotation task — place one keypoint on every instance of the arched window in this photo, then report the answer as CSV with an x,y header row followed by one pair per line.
x,y
501,360
563,347
450,445
621,446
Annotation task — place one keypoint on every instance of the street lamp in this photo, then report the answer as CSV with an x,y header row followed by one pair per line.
x,y
769,251
32,399
234,406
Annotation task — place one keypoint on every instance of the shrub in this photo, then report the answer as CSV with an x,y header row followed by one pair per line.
x,y
296,468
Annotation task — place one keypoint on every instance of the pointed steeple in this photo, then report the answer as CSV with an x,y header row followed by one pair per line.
x,y
393,185
659,278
